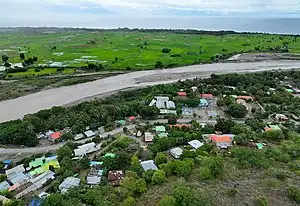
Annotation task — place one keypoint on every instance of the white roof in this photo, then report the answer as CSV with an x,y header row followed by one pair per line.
x,y
68,183
170,105
4,185
149,165
20,65
86,149
195,144
176,151
2,68
89,133
93,180
166,111
149,137
152,103
162,98
15,170
78,136
42,179
160,104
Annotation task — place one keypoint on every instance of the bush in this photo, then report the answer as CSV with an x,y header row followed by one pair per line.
x,y
166,50
262,201
237,110
294,193
204,173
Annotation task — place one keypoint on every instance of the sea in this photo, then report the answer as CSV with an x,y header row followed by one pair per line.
x,y
264,25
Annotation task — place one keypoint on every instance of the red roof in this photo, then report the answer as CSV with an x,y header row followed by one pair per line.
x,y
132,118
207,96
245,97
220,138
180,125
55,135
182,94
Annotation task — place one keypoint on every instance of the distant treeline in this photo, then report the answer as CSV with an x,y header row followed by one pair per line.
x,y
125,29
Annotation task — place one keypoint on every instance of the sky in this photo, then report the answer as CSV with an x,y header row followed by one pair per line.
x,y
79,12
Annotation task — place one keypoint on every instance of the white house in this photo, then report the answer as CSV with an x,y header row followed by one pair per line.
x,y
86,149
195,144
176,152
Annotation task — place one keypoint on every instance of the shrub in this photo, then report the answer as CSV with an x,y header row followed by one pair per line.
x,y
204,173
294,193
262,201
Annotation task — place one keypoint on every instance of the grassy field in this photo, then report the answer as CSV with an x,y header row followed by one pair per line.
x,y
137,50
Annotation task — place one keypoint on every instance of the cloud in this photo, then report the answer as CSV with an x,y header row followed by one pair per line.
x,y
61,12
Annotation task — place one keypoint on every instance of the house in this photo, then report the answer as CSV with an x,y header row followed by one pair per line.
x,y
272,127
6,163
207,96
16,176
246,98
162,103
203,103
13,171
195,144
121,122
35,202
182,94
260,145
132,118
78,137
222,141
176,152
149,137
89,134
161,135
180,126
95,163
101,130
160,129
36,162
212,114
38,167
149,165
94,176
86,149
68,183
281,117
296,90
289,90
194,89
166,111
112,155
55,136
4,186
187,111
295,117
115,177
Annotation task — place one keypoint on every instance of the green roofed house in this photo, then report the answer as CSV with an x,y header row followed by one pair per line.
x,y
122,122
160,129
259,145
275,127
110,155
289,90
37,162
161,135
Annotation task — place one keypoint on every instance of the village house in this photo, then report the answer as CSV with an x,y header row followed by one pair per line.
x,y
187,111
78,137
89,134
182,94
176,152
180,126
212,114
54,136
162,103
296,90
281,118
272,127
115,177
222,141
94,176
195,144
203,103
149,165
160,129
207,96
16,176
86,149
246,98
194,89
149,137
68,183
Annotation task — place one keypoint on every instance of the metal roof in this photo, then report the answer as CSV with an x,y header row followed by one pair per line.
x,y
149,165
68,183
195,144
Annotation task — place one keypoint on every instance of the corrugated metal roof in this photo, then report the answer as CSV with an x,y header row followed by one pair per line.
x,y
149,165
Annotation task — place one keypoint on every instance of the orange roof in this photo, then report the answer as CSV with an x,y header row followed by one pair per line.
x,y
268,129
245,97
220,138
183,94
55,135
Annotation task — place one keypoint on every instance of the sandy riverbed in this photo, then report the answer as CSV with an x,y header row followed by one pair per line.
x,y
17,108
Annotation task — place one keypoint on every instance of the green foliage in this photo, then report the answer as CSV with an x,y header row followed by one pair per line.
x,y
214,164
262,201
147,176
294,193
275,135
160,158
159,177
135,165
149,112
5,58
129,201
64,152
67,136
237,110
204,173
221,102
240,128
166,50
167,201
224,125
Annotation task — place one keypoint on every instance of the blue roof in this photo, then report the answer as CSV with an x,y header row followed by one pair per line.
x,y
35,202
7,162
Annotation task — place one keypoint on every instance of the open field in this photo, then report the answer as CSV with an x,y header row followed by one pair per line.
x,y
119,50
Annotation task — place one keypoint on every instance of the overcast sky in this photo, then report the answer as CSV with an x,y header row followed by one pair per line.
x,y
78,12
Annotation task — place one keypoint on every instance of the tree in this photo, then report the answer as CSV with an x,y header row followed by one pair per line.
x,y
160,158
159,64
84,163
228,100
204,173
22,56
147,175
67,136
129,201
63,152
221,102
149,112
140,186
116,59
273,135
294,193
111,163
35,59
237,110
159,177
5,58
135,165
167,201
166,50
224,125
240,128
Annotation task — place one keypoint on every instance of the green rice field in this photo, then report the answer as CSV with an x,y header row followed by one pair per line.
x,y
120,50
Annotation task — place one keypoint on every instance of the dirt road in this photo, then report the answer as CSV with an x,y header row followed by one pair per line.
x,y
17,108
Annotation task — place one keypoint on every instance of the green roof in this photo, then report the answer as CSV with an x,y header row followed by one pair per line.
x,y
110,155
162,135
289,90
275,127
160,129
203,102
37,162
122,122
259,145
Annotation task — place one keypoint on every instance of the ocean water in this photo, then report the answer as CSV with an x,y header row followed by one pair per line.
x,y
265,25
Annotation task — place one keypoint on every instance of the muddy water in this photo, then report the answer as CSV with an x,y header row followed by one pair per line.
x,y
17,108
